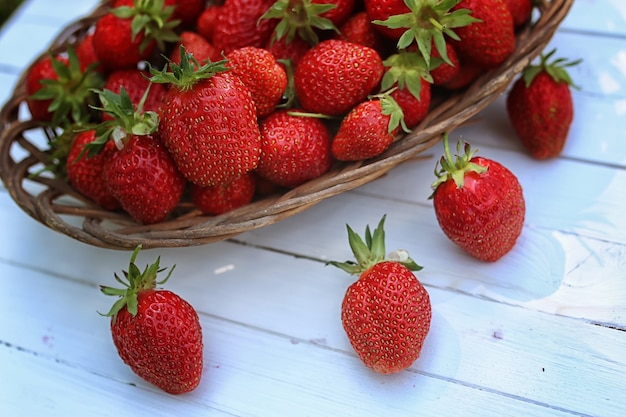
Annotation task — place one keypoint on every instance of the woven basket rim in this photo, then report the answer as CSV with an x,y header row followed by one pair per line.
x,y
56,202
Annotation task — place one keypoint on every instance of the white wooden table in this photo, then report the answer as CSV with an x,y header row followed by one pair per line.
x,y
542,332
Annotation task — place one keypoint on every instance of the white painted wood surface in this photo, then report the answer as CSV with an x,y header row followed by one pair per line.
x,y
542,332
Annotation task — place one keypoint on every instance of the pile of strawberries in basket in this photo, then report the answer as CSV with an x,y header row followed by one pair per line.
x,y
166,100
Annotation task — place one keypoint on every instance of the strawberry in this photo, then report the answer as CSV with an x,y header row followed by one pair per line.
x,y
238,24
141,174
59,89
386,313
135,82
292,51
335,75
86,54
208,121
265,78
368,129
408,73
195,44
521,11
414,109
467,73
206,21
479,203
443,72
186,11
295,148
540,106
423,23
221,198
359,29
490,41
156,332
85,173
305,19
130,31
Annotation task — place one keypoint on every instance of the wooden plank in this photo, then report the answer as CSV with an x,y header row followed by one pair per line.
x,y
471,342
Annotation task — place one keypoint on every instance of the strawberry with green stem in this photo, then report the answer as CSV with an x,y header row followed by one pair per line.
x,y
130,31
540,106
156,332
305,18
386,313
478,202
141,174
208,121
60,90
368,129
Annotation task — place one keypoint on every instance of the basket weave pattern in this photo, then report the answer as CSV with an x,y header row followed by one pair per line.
x,y
55,204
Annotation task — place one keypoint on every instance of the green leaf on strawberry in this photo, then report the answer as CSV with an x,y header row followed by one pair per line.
x,y
153,19
427,23
556,69
456,167
134,282
299,18
406,69
71,92
371,251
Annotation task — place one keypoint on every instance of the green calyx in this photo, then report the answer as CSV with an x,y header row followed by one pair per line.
x,y
456,168
555,69
299,18
427,23
151,18
127,119
406,69
391,108
134,282
372,251
186,74
71,93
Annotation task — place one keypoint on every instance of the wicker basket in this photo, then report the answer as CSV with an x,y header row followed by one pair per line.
x,y
55,204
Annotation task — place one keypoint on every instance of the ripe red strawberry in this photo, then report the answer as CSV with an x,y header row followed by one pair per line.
x,y
540,106
359,29
386,313
195,44
408,78
141,174
468,71
85,172
368,129
222,198
265,78
283,50
86,54
59,89
130,31
334,76
186,11
445,72
479,204
295,148
238,24
206,21
521,10
208,122
492,40
156,332
415,109
135,82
